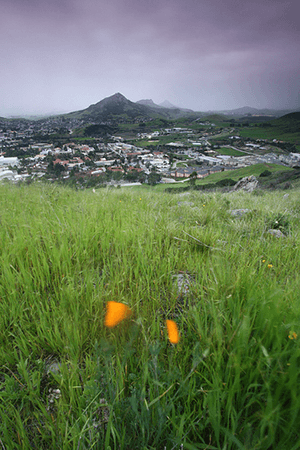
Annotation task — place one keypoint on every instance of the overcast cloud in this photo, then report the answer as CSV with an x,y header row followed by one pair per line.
x,y
63,55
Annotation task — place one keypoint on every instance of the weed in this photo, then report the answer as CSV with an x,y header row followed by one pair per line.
x,y
279,222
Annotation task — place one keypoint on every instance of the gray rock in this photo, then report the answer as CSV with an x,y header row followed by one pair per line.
x,y
276,233
52,366
286,196
182,282
247,184
239,212
185,203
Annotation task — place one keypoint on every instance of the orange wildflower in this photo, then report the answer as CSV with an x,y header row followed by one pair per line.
x,y
173,332
115,313
293,335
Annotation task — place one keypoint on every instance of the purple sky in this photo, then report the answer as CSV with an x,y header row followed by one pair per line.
x,y
63,55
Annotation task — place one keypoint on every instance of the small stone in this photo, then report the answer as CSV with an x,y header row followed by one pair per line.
x,y
276,233
239,212
185,203
52,366
183,283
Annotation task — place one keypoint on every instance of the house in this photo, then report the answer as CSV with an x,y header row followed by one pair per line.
x,y
115,169
252,145
7,174
98,172
187,171
5,161
59,161
208,159
132,154
134,169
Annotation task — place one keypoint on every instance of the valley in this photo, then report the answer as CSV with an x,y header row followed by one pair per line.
x,y
117,142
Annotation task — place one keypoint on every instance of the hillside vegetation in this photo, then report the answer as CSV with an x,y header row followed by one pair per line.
x,y
67,382
286,128
279,176
119,109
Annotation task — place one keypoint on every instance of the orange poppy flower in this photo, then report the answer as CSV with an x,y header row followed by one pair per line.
x,y
115,313
173,332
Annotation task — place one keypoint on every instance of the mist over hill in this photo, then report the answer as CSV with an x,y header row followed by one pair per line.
x,y
249,111
118,108
288,123
148,102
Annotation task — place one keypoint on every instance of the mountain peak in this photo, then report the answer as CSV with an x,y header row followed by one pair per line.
x,y
115,100
117,104
167,104
148,102
118,97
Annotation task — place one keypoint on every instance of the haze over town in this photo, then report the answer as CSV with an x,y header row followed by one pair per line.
x,y
63,55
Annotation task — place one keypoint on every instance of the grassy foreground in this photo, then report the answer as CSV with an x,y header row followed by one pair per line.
x,y
67,382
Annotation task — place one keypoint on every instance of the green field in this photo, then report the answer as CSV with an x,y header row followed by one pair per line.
x,y
68,382
229,151
161,140
270,133
285,128
236,174
255,169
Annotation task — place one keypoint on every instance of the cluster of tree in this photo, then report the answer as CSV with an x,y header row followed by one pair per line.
x,y
99,130
235,124
225,183
55,169
153,178
287,146
19,152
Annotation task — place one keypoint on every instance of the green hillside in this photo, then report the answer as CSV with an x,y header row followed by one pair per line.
x,y
215,118
285,128
290,123
67,381
119,109
256,169
236,174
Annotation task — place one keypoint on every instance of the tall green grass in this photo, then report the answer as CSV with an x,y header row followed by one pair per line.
x,y
232,382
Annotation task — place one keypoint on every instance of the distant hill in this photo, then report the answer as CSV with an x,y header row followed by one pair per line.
x,y
117,108
111,107
290,123
215,118
148,102
248,110
242,111
285,128
167,104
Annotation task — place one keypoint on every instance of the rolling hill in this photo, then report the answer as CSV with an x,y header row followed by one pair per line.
x,y
290,123
285,128
119,108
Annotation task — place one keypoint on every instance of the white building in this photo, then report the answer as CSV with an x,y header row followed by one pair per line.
x,y
7,174
4,162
